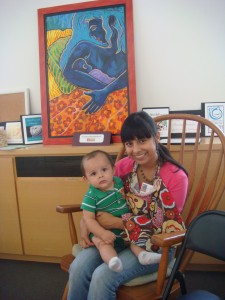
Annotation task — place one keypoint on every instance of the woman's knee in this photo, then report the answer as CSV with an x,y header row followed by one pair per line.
x,y
87,260
104,283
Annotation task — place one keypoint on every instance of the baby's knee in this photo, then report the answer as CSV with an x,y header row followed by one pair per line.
x,y
101,244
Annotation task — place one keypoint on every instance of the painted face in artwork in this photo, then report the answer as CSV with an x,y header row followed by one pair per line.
x,y
96,30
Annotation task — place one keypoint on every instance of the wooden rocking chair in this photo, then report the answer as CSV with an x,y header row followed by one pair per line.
x,y
205,162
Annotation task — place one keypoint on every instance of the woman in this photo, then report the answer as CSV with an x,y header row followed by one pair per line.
x,y
147,159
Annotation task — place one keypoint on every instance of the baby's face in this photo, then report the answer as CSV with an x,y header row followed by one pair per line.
x,y
99,172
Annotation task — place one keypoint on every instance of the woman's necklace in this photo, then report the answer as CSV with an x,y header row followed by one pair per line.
x,y
147,179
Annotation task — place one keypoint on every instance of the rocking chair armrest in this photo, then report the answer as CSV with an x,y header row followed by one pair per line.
x,y
168,239
68,208
165,240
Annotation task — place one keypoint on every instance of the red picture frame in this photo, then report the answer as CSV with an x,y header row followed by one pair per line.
x,y
87,69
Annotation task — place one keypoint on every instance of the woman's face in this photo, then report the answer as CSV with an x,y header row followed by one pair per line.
x,y
143,151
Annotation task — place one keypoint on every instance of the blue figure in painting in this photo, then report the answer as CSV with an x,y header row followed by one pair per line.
x,y
98,62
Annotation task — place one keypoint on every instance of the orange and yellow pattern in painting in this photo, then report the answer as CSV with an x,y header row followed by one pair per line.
x,y
66,100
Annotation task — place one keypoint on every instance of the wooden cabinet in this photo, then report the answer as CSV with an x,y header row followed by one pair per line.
x,y
45,232
10,233
33,181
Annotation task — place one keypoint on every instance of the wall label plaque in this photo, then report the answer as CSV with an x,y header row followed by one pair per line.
x,y
91,139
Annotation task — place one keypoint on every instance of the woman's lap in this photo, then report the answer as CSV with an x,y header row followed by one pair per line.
x,y
88,267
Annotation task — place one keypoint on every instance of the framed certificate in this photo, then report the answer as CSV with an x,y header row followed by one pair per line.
x,y
191,126
214,111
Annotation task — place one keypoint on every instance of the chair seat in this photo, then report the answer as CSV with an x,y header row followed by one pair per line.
x,y
149,277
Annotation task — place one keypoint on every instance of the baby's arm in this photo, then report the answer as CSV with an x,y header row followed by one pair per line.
x,y
93,226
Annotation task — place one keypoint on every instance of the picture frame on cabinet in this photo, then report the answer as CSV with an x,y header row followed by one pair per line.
x,y
215,112
159,111
82,92
191,125
13,132
32,129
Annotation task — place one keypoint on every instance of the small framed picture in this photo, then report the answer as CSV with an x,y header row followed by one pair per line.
x,y
159,111
215,112
191,126
13,132
32,129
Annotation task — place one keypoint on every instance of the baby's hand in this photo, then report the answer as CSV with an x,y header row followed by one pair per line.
x,y
108,237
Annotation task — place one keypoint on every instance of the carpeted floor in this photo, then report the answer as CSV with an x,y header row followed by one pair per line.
x,y
22,280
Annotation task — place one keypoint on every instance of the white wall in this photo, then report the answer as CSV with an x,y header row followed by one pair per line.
x,y
179,50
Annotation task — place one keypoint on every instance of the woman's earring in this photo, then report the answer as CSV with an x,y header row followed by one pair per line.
x,y
157,148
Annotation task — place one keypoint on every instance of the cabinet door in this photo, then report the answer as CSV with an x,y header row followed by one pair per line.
x,y
10,236
46,232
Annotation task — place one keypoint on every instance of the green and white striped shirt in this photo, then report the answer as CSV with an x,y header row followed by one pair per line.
x,y
112,201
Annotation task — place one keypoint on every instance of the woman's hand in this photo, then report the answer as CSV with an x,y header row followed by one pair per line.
x,y
108,221
85,241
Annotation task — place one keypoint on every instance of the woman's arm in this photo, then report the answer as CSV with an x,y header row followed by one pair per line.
x,y
108,221
85,241
176,182
94,227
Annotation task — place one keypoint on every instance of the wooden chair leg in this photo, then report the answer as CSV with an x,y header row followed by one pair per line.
x,y
65,293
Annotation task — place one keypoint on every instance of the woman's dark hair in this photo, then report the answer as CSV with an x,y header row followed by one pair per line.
x,y
140,125
93,154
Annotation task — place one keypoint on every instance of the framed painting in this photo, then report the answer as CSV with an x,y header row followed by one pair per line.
x,y
87,70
